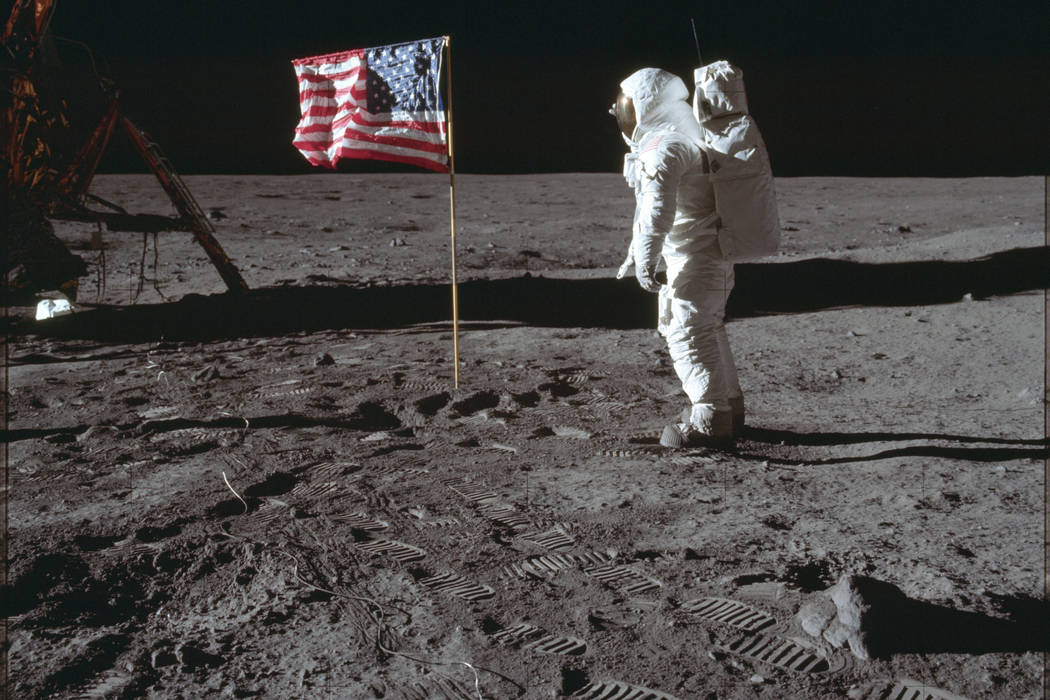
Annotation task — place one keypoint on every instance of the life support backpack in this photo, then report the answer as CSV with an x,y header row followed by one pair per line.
x,y
740,172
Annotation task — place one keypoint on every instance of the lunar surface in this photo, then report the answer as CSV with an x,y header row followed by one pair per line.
x,y
284,494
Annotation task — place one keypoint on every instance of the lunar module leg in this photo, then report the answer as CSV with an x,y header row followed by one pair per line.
x,y
185,204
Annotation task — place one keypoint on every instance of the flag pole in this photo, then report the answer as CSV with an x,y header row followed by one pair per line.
x,y
452,206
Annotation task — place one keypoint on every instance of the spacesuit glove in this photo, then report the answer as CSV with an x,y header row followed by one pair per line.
x,y
646,277
628,263
646,249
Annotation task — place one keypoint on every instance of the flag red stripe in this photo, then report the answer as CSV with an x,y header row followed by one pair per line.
x,y
312,78
321,111
357,91
352,135
319,94
326,101
339,57
438,166
341,123
366,119
379,155
403,146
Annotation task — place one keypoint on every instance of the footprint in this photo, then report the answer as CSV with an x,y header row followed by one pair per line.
x,y
526,636
615,690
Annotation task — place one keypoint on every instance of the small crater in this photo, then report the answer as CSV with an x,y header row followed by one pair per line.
x,y
477,401
373,416
192,657
489,626
648,554
418,573
230,507
361,535
808,578
430,405
93,543
274,485
558,389
315,597
748,579
156,534
528,399
166,562
395,448
572,680
777,521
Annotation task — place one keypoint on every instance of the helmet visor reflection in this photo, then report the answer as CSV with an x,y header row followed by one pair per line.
x,y
623,110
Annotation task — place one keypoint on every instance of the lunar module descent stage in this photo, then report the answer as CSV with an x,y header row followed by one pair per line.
x,y
49,172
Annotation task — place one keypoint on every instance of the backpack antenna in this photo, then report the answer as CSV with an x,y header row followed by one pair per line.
x,y
697,42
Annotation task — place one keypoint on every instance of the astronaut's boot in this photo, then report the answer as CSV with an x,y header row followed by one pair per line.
x,y
736,408
705,427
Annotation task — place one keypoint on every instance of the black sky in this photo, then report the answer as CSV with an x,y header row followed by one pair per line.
x,y
923,88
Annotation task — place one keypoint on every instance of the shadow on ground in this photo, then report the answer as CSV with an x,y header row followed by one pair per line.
x,y
761,289
790,437
892,623
1015,449
368,416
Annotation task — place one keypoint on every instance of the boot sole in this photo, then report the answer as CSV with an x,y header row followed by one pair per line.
x,y
675,438
738,421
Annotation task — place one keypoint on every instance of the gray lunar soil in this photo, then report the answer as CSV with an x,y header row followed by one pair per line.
x,y
285,495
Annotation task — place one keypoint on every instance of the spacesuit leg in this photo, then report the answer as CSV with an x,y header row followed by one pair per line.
x,y
692,307
733,391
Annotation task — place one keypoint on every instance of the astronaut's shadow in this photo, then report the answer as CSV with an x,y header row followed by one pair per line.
x,y
1010,448
820,283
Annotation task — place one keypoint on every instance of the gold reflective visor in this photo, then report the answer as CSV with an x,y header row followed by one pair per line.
x,y
623,110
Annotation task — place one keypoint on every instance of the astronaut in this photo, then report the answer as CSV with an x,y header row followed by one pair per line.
x,y
675,218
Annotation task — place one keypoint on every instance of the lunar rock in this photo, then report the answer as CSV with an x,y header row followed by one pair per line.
x,y
858,610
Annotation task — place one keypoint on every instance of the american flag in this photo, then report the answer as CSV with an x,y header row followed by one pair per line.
x,y
380,103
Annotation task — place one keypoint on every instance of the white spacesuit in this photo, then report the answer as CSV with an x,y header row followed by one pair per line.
x,y
675,217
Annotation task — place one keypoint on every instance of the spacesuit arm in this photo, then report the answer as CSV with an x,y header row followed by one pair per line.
x,y
660,172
